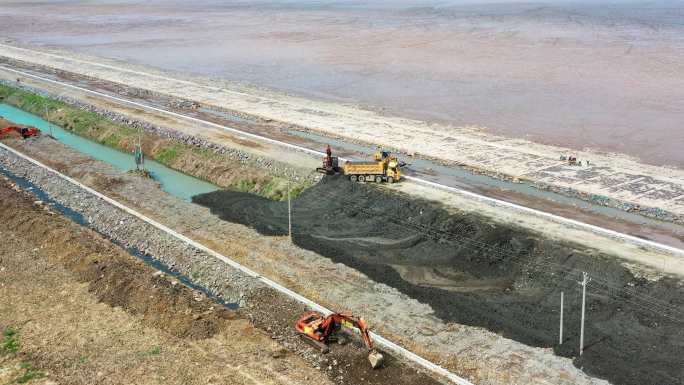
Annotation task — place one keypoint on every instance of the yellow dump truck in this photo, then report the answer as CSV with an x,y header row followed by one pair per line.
x,y
383,169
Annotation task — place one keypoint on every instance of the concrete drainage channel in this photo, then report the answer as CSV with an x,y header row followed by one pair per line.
x,y
133,230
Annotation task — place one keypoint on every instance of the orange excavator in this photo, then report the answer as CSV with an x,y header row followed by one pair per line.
x,y
320,330
25,132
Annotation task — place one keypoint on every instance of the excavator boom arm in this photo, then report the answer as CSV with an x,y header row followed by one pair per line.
x,y
349,321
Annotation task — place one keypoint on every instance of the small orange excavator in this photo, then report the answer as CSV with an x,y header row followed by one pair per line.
x,y
25,132
320,330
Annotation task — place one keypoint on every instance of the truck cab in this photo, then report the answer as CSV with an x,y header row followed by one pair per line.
x,y
393,169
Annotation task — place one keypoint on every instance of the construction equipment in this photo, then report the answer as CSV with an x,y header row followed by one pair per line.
x,y
330,163
319,331
25,132
385,168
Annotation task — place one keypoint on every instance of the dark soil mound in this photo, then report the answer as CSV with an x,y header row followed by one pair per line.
x,y
475,272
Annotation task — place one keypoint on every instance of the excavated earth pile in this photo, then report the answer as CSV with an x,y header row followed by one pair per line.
x,y
476,272
116,282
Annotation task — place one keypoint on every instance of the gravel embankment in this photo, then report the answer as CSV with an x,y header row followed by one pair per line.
x,y
131,232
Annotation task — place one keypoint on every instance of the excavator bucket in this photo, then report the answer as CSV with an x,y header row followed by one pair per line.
x,y
376,359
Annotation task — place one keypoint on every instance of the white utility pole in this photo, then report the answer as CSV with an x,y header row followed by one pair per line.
x,y
585,281
289,212
560,337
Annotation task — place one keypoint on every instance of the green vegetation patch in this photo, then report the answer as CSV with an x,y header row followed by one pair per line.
x,y
10,342
169,154
245,185
28,101
155,351
10,346
274,188
30,373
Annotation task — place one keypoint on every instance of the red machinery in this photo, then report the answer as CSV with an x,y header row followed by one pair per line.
x,y
25,132
319,330
330,163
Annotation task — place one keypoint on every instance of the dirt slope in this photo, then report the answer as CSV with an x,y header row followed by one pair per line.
x,y
86,312
475,272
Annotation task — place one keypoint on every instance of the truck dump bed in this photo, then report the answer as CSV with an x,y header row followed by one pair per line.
x,y
364,168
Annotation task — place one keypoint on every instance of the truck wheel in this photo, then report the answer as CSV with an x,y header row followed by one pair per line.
x,y
353,178
378,179
390,179
362,178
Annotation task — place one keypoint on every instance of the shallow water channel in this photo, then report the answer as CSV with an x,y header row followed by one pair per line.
x,y
173,182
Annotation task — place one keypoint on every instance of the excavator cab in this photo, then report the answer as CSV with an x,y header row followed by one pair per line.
x,y
380,154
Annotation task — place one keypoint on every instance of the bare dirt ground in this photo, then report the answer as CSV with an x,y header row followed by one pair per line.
x,y
86,312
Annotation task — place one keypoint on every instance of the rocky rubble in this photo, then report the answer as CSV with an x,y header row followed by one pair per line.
x,y
133,233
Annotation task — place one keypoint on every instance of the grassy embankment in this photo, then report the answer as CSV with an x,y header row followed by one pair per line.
x,y
200,163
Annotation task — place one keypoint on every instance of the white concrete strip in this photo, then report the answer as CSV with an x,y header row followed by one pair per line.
x,y
377,338
491,201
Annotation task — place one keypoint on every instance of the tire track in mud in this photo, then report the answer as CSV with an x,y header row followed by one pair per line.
x,y
503,278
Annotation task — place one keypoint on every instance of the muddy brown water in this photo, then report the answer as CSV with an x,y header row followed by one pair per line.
x,y
478,273
602,74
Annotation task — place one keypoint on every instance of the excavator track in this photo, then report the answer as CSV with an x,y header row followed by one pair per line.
x,y
323,348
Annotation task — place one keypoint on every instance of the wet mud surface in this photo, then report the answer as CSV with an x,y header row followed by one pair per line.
x,y
475,272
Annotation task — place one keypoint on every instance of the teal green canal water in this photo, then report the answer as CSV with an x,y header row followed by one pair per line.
x,y
173,182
